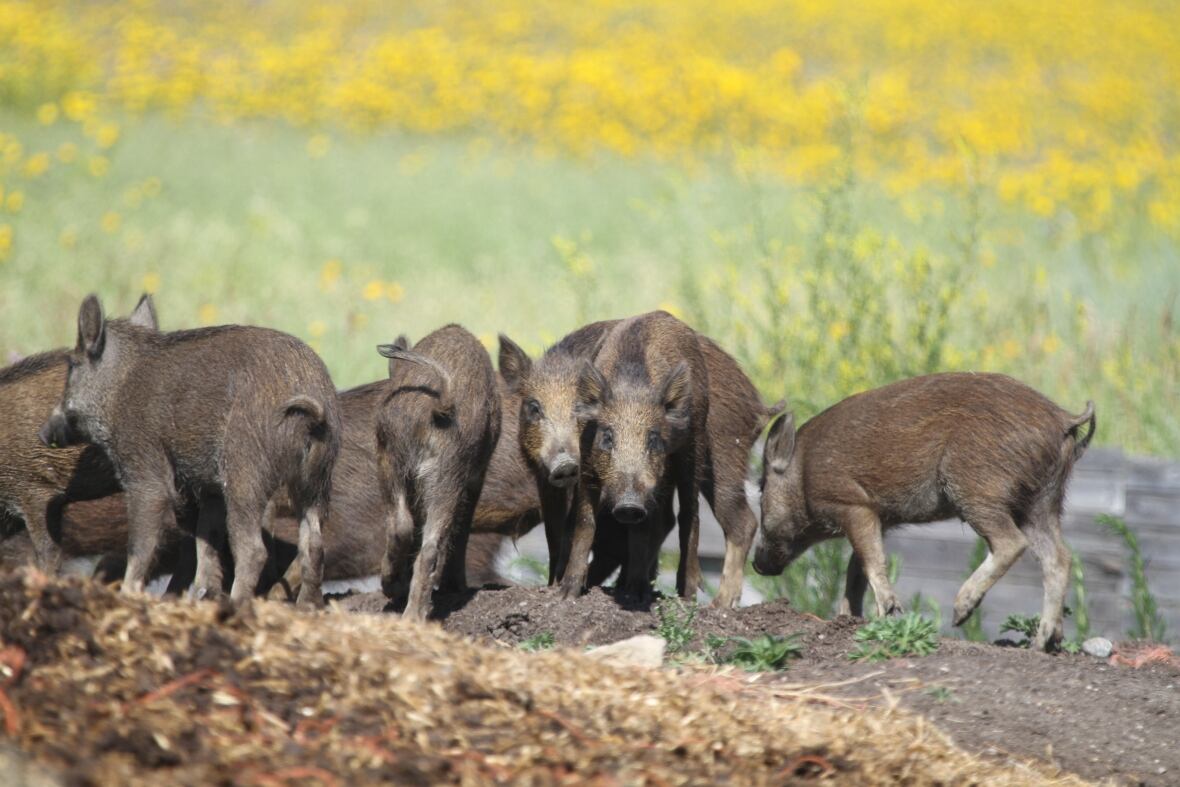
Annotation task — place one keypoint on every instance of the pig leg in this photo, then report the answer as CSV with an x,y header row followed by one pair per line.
x,y
864,532
1044,536
573,581
643,551
244,521
1005,544
454,577
855,584
42,517
210,532
399,549
432,556
148,510
739,525
688,570
555,515
311,559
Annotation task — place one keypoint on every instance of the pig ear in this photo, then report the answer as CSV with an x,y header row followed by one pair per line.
x,y
515,364
593,392
676,396
92,327
145,314
780,443
402,342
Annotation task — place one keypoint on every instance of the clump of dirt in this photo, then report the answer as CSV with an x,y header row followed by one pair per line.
x,y
130,690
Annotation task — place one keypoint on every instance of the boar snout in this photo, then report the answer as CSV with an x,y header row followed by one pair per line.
x,y
769,562
563,471
56,432
629,510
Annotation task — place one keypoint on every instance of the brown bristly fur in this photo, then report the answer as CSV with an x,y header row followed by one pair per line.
x,y
982,447
436,430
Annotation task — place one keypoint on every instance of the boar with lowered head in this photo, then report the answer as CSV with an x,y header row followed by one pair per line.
x,y
642,406
436,430
549,440
982,447
36,482
227,416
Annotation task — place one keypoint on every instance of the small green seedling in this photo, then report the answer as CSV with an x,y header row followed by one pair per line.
x,y
542,641
766,653
941,694
891,637
676,619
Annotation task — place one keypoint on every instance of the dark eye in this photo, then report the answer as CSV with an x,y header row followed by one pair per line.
x,y
606,438
532,409
655,443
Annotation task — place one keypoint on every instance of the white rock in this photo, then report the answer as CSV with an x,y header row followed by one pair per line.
x,y
641,651
1098,647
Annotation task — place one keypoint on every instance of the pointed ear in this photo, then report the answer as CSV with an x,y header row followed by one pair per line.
x,y
92,327
780,443
391,351
402,342
515,364
676,396
593,392
145,314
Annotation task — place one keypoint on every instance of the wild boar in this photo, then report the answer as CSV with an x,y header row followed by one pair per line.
x,y
642,405
36,481
549,439
436,430
982,447
354,547
229,415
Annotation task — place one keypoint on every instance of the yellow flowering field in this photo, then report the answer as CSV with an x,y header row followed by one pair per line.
x,y
842,194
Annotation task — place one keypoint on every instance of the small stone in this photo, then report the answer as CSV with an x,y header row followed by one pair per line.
x,y
641,651
1098,647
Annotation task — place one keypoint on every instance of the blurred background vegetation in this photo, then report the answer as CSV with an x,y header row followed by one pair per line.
x,y
841,198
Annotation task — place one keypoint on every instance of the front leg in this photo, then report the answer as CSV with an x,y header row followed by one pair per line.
x,y
688,570
864,532
43,518
211,529
555,515
855,584
148,507
573,581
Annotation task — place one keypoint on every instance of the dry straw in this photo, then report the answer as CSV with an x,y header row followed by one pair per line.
x,y
121,690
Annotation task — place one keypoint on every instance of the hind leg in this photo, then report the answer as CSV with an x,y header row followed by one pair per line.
x,y
244,521
1005,545
1043,531
688,570
739,525
454,577
148,510
311,558
399,548
211,519
432,555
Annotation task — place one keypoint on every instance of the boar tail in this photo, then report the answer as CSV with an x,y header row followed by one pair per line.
x,y
1088,419
444,407
768,414
302,403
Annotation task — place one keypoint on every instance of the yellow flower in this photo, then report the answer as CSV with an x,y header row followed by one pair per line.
x,y
47,114
67,152
671,308
107,135
99,166
394,292
207,314
5,241
36,165
330,274
373,290
838,330
319,145
317,328
15,201
111,221
1050,344
1010,349
68,238
151,282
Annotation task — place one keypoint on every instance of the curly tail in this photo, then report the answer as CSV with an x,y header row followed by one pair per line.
x,y
314,444
445,405
1076,423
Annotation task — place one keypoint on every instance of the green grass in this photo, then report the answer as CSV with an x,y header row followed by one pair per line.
x,y
542,641
1149,623
767,653
893,637
676,624
502,239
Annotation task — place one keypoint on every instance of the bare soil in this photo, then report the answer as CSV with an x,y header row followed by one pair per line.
x,y
1101,719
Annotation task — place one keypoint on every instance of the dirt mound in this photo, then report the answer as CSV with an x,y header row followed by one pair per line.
x,y
111,689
